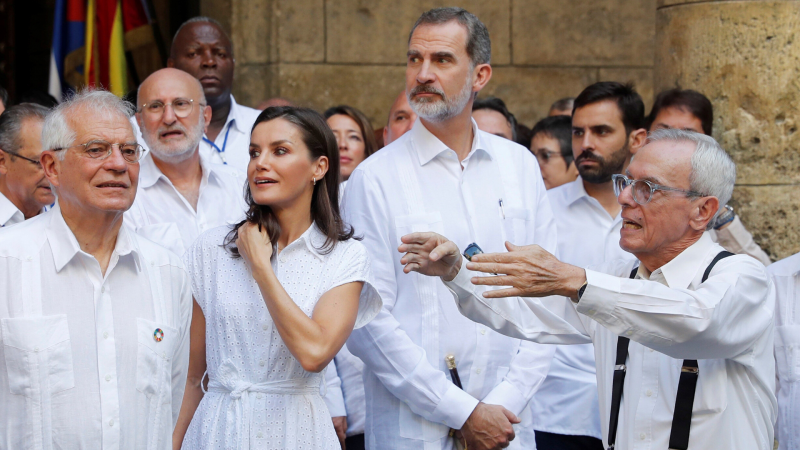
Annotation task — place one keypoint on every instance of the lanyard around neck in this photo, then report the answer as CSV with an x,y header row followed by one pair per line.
x,y
220,152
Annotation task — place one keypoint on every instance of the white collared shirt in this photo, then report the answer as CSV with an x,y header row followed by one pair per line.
x,y
786,275
417,184
80,365
234,152
161,214
566,403
9,213
726,323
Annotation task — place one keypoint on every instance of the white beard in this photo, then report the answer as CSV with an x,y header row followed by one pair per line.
x,y
444,109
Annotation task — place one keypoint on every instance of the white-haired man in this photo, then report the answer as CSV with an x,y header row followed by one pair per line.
x,y
95,320
181,192
448,175
682,337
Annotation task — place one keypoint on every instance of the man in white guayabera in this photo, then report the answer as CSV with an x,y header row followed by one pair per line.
x,y
94,319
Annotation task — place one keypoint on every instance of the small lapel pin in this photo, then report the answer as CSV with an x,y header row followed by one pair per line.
x,y
158,335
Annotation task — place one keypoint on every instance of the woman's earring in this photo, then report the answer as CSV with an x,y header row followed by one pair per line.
x,y
315,180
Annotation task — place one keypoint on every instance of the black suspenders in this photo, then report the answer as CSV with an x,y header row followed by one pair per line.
x,y
682,417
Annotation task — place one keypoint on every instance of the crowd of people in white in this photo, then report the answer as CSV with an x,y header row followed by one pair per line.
x,y
193,273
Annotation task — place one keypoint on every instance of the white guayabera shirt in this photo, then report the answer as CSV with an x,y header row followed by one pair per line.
x,y
786,275
725,323
566,403
418,184
235,151
161,214
90,361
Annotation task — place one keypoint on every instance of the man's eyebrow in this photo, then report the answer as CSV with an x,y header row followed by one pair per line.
x,y
444,55
413,53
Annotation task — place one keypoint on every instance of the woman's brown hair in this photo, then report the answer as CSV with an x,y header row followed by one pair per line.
x,y
367,133
319,139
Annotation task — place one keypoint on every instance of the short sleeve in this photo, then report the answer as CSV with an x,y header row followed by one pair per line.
x,y
354,265
199,262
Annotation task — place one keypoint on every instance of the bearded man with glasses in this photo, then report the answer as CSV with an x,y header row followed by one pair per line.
x,y
682,336
24,190
182,192
94,319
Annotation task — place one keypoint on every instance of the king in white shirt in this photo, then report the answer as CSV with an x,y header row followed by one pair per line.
x,y
181,192
495,194
94,319
786,275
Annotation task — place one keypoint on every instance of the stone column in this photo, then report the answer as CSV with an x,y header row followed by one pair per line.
x,y
745,56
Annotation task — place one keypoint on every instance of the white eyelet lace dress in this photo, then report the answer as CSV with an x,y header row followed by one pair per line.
x,y
259,396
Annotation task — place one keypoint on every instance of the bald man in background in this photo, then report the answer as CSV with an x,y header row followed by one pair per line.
x,y
401,119
181,192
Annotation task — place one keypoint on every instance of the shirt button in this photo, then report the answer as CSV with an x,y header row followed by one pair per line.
x,y
651,350
108,377
642,436
260,434
478,371
483,332
36,349
111,423
262,363
105,335
264,327
628,333
103,290
258,396
592,312
649,393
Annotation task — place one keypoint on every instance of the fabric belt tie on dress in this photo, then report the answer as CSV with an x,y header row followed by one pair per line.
x,y
239,391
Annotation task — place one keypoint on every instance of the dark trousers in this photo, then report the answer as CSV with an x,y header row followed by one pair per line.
x,y
354,442
552,441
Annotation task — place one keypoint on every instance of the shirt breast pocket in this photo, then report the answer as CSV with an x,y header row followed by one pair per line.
x,y
515,226
38,355
156,346
418,223
787,352
711,396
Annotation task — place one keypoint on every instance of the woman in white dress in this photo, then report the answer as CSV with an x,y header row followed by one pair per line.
x,y
276,297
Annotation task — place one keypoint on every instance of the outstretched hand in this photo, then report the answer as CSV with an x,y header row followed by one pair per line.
x,y
430,254
530,270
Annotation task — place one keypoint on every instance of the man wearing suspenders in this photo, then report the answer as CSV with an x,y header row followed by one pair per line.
x,y
94,320
473,187
683,337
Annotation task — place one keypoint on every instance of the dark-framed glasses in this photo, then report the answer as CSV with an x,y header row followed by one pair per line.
x,y
643,189
182,107
35,162
101,150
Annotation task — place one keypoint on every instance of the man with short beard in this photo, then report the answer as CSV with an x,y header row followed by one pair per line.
x,y
445,175
181,193
607,129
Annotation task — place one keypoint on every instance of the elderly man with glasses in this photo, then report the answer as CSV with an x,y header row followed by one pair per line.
x,y
682,336
181,192
94,319
24,190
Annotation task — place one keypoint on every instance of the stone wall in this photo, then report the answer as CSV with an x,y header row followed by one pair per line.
x,y
320,53
745,56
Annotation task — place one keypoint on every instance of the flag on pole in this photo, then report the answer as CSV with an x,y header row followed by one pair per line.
x,y
66,56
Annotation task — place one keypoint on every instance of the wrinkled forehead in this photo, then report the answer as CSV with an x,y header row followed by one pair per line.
x,y
98,124
663,162
448,37
170,86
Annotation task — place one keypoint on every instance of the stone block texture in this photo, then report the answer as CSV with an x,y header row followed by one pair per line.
x,y
745,56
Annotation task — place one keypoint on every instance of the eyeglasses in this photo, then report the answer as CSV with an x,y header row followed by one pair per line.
x,y
32,161
182,107
101,150
643,189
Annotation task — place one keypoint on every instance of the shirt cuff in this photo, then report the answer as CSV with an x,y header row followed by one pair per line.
x,y
508,396
599,300
454,408
461,286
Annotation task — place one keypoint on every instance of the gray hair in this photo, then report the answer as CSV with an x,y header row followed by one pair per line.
x,y
713,170
198,19
479,46
12,120
57,132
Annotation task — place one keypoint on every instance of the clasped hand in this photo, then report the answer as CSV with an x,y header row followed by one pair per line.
x,y
254,246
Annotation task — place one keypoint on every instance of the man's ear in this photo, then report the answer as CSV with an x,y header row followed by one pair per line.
x,y
206,117
482,75
4,160
637,140
51,166
704,213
